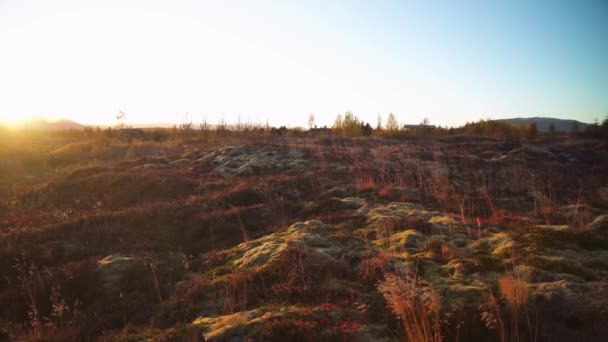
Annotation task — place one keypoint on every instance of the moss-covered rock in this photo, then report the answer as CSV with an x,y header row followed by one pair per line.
x,y
407,240
248,160
113,268
236,325
311,235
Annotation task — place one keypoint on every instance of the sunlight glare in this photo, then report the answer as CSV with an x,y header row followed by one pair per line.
x,y
16,121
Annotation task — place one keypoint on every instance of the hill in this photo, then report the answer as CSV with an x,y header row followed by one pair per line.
x,y
542,124
43,124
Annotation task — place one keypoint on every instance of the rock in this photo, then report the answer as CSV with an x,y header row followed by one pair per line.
x,y
426,156
599,225
244,161
500,158
353,202
437,156
409,239
225,328
555,228
539,151
311,235
396,210
443,223
572,310
113,268
194,334
180,162
533,151
459,241
463,267
404,194
298,164
148,166
205,157
189,155
245,170
499,245
262,251
341,191
161,159
339,167
471,158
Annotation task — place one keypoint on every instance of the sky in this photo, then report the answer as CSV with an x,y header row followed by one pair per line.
x,y
278,61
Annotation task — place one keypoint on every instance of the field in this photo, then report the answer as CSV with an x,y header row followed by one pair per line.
x,y
302,237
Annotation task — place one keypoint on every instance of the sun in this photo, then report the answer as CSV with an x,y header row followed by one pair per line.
x,y
17,121
9,120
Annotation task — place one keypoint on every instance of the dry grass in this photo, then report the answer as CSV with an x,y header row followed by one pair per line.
x,y
509,312
515,291
417,305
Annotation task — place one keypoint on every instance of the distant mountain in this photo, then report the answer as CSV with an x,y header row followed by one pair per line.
x,y
43,124
542,124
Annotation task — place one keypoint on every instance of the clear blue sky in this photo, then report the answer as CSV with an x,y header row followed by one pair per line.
x,y
453,61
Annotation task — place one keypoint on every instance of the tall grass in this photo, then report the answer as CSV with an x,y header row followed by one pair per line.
x,y
415,302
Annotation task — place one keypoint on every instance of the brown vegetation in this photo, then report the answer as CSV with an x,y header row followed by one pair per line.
x,y
276,234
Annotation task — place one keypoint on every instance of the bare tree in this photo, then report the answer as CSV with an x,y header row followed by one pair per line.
x,y
391,122
120,119
311,121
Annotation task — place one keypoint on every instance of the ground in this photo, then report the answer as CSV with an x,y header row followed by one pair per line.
x,y
309,239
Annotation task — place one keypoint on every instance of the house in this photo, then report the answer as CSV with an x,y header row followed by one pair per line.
x,y
417,127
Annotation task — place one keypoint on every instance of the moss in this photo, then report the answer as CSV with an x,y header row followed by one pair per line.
x,y
354,202
248,160
463,267
398,210
113,268
409,239
555,228
261,253
133,334
555,264
245,323
490,263
445,221
469,295
499,245
431,270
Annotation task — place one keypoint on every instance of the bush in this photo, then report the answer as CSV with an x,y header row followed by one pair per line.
x,y
351,126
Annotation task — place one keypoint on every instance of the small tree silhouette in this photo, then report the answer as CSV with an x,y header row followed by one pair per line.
x,y
311,121
120,119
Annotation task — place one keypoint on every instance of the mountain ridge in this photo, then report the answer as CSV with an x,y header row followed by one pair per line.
x,y
543,123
